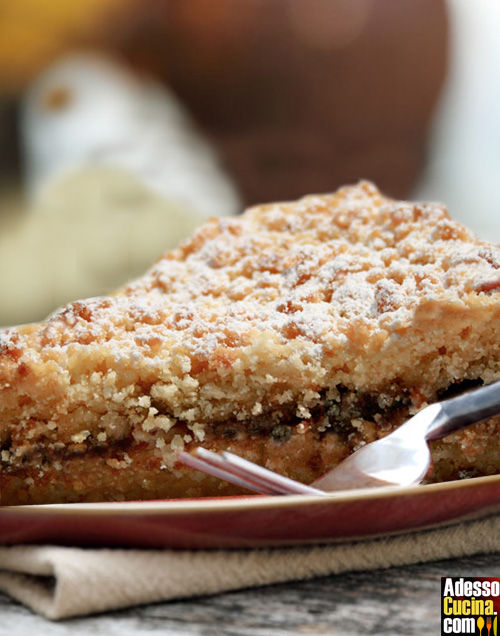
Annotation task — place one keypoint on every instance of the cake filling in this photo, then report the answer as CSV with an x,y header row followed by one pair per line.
x,y
354,418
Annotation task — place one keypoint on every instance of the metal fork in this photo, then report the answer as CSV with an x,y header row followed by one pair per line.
x,y
402,458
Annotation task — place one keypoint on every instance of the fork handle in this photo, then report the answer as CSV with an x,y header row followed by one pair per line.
x,y
465,409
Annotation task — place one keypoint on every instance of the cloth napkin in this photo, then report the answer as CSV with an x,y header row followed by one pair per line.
x,y
59,582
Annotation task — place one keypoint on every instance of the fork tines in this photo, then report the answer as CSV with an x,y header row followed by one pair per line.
x,y
241,472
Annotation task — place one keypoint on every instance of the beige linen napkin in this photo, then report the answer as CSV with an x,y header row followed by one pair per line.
x,y
59,582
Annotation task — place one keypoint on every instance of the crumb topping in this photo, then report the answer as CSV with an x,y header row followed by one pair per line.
x,y
305,270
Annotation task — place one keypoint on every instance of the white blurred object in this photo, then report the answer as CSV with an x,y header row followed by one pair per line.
x,y
464,161
117,174
87,110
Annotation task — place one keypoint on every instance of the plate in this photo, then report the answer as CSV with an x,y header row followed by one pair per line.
x,y
254,520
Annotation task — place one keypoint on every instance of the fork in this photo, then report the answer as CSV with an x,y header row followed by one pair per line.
x,y
402,458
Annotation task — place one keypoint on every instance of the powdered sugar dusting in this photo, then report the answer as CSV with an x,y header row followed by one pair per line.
x,y
301,270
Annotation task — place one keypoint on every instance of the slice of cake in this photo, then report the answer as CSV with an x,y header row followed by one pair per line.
x,y
291,336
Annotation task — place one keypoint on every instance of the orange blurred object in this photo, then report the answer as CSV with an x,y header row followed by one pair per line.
x,y
34,32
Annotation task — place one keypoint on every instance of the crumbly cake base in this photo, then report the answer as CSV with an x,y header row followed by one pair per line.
x,y
298,325
132,471
97,477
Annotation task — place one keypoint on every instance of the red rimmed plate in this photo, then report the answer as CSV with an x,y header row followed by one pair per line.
x,y
253,521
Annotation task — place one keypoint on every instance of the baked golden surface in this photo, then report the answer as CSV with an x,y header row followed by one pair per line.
x,y
290,335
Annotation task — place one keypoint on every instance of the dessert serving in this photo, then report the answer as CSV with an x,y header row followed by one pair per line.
x,y
291,336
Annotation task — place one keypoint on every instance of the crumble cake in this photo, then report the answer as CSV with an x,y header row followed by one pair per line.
x,y
291,336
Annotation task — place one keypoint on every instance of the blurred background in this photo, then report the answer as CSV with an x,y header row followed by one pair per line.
x,y
125,123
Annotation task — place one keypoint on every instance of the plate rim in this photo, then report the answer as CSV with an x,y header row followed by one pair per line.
x,y
241,502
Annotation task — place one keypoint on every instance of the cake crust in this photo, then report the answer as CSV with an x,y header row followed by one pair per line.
x,y
290,335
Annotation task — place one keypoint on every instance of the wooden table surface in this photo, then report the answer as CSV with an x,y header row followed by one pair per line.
x,y
396,601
